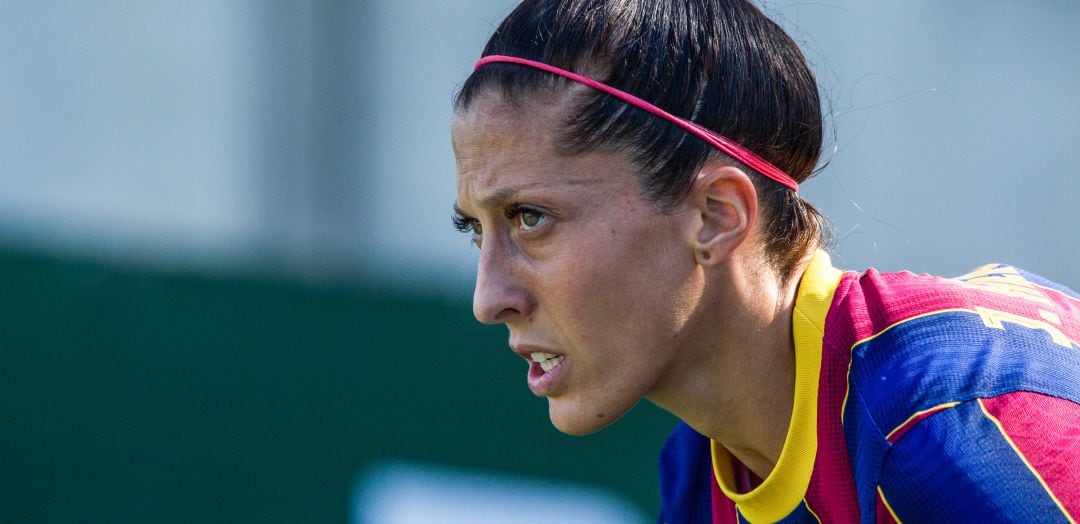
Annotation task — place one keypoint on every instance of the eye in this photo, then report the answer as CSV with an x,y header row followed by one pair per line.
x,y
531,218
527,217
465,224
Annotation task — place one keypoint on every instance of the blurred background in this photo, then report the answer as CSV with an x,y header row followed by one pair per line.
x,y
229,290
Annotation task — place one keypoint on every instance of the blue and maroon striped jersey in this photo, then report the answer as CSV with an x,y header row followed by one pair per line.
x,y
917,398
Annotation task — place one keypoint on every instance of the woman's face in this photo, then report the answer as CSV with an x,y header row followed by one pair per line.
x,y
594,282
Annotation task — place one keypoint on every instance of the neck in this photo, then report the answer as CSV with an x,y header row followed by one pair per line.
x,y
734,382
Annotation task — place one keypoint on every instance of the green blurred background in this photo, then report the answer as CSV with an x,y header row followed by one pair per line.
x,y
137,396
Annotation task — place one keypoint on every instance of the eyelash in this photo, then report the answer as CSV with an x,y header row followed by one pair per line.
x,y
463,224
516,210
467,225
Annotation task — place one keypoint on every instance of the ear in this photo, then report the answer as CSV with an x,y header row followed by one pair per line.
x,y
724,198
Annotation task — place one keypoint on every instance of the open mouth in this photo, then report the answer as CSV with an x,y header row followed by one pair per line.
x,y
547,361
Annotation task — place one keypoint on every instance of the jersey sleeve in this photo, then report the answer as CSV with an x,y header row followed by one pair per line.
x,y
1009,458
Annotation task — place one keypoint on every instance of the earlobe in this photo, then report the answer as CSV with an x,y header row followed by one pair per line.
x,y
724,198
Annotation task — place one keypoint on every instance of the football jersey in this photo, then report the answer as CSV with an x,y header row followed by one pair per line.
x,y
917,398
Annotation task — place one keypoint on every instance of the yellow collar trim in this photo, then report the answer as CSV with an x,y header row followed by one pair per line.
x,y
782,491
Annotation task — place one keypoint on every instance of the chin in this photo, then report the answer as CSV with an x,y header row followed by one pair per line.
x,y
579,420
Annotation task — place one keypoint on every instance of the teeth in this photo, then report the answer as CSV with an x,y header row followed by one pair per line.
x,y
550,364
547,361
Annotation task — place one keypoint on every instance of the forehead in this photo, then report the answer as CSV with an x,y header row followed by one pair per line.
x,y
501,147
493,125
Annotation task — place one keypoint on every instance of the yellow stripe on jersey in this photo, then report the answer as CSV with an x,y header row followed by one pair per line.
x,y
885,503
843,405
1024,459
918,414
784,489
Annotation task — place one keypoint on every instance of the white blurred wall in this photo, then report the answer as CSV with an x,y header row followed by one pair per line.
x,y
392,492
128,126
955,123
312,137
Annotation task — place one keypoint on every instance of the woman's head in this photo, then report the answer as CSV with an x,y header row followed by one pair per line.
x,y
582,270
719,63
606,231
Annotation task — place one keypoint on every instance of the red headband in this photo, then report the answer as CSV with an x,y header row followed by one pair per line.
x,y
714,139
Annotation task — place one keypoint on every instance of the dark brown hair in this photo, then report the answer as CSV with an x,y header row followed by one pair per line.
x,y
720,63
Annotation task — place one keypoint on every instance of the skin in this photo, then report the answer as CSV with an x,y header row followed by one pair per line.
x,y
679,307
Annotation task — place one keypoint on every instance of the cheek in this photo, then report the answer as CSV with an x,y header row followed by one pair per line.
x,y
624,282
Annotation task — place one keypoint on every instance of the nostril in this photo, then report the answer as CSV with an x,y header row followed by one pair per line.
x,y
501,304
506,314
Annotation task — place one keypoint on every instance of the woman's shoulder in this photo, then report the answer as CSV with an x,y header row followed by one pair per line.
x,y
919,342
686,476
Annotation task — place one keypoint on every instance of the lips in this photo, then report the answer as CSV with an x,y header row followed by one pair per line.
x,y
546,370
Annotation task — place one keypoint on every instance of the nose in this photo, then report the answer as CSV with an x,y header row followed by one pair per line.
x,y
500,296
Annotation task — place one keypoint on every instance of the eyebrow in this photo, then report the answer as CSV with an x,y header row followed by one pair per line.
x,y
504,195
495,199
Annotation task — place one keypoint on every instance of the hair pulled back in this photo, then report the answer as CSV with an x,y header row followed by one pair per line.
x,y
720,63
